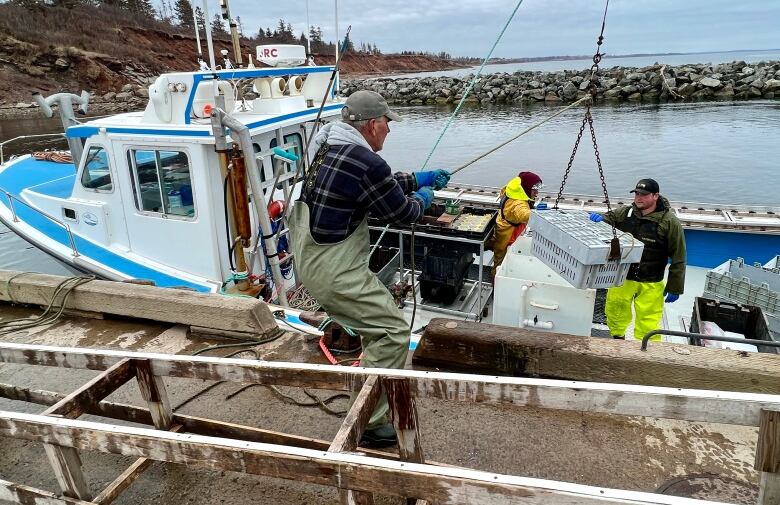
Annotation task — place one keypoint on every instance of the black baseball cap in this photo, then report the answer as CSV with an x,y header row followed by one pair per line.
x,y
646,187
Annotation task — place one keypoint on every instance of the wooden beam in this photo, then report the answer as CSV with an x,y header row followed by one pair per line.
x,y
66,463
352,428
403,414
207,310
91,393
26,495
491,349
126,478
435,484
619,399
154,392
354,424
768,457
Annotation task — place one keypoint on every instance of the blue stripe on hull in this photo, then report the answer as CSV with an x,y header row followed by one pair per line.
x,y
30,172
711,248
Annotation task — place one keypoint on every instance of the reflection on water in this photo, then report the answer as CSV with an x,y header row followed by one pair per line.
x,y
711,152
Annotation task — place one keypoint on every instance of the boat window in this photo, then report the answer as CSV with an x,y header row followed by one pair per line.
x,y
96,173
295,142
161,182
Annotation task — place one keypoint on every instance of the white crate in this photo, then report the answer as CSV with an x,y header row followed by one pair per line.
x,y
578,249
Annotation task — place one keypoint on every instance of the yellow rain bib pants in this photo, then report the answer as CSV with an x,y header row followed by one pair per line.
x,y
338,277
647,299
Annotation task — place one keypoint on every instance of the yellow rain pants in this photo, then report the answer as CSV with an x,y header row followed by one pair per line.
x,y
647,299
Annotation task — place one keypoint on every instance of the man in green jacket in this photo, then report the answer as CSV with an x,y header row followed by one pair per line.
x,y
651,220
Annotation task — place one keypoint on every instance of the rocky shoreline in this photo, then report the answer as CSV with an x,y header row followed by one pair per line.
x,y
728,81
657,83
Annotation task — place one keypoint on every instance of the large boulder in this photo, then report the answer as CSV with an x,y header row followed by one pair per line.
x,y
771,85
709,82
569,91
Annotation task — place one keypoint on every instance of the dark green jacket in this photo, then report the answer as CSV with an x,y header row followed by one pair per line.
x,y
663,237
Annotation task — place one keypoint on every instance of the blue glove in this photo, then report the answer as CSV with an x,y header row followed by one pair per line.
x,y
671,297
596,217
541,206
437,179
425,195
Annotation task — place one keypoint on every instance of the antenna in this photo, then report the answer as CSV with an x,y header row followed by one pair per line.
x,y
209,42
197,36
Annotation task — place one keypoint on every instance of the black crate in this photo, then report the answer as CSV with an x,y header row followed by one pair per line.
x,y
747,320
443,274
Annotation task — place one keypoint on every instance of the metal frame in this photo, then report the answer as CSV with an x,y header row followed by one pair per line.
x,y
483,296
21,137
224,446
11,198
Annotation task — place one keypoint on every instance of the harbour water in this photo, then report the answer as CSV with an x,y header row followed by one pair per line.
x,y
714,152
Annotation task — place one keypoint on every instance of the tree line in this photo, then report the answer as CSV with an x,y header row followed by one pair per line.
x,y
178,14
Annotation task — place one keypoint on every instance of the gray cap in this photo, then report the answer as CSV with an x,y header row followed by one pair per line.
x,y
362,105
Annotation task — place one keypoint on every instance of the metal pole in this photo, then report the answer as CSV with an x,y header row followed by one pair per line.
x,y
308,30
209,42
700,336
336,3
197,33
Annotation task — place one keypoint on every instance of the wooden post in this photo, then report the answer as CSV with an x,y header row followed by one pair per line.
x,y
65,460
153,391
19,493
67,468
768,457
403,413
348,436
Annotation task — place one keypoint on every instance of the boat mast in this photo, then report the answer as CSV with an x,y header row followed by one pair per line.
x,y
233,31
201,63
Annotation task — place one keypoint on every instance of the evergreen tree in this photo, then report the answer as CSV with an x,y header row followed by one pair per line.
x,y
200,18
218,26
240,26
183,12
347,44
142,7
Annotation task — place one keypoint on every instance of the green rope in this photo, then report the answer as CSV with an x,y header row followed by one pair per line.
x,y
327,321
471,84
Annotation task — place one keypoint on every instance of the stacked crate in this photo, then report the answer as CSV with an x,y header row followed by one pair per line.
x,y
578,249
748,284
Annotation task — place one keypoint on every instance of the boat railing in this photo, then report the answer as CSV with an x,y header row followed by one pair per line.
x,y
22,137
12,198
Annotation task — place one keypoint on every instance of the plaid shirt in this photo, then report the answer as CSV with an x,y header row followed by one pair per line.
x,y
351,182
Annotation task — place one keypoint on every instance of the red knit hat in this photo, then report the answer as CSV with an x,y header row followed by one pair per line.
x,y
528,180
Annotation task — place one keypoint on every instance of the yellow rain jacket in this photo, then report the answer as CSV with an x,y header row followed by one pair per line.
x,y
511,221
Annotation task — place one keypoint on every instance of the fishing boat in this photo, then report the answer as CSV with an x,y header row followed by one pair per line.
x,y
193,192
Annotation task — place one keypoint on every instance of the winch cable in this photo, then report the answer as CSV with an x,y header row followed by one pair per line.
x,y
614,249
474,79
527,130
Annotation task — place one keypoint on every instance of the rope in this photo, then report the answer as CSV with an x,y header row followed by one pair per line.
x,y
540,123
471,84
65,288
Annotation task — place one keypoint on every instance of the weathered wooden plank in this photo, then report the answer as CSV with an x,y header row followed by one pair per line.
x,y
126,478
403,413
620,399
769,491
352,428
354,424
768,457
131,300
154,392
66,463
26,495
439,485
484,348
91,393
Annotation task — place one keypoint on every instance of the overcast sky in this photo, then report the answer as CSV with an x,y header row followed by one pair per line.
x,y
540,27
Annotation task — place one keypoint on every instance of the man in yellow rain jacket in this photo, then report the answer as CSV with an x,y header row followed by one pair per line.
x,y
517,200
651,220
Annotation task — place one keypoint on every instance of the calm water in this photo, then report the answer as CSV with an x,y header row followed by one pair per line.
x,y
712,152
638,61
